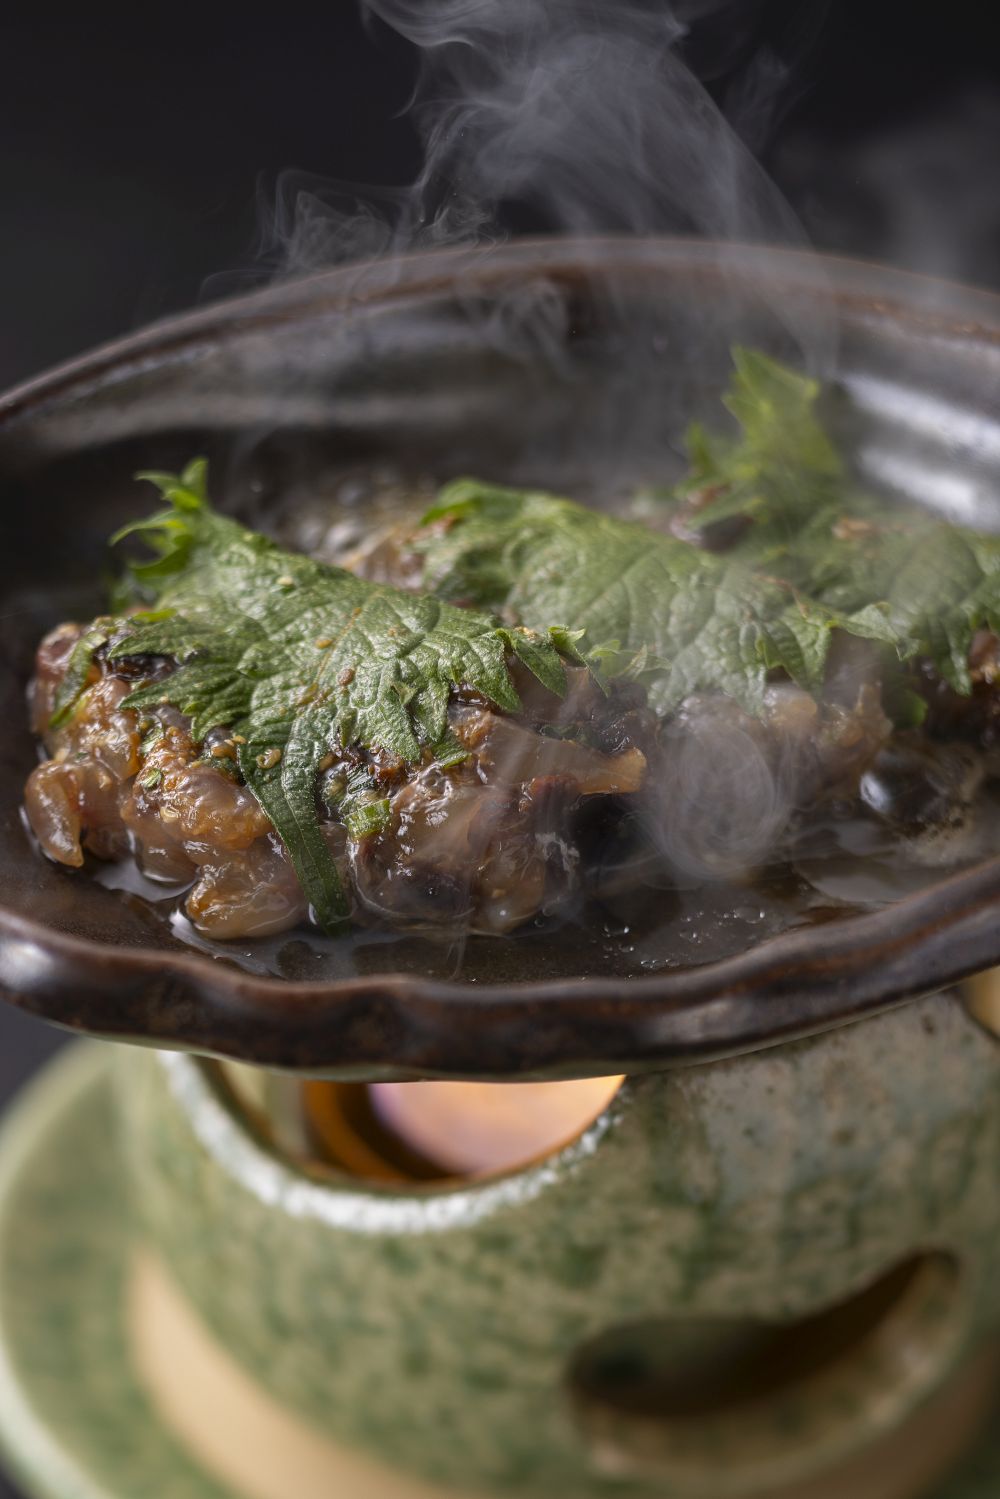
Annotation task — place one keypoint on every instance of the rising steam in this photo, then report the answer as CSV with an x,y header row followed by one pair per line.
x,y
582,117
583,114
572,116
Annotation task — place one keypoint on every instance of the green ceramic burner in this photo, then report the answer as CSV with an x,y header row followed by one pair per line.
x,y
753,1278
77,1419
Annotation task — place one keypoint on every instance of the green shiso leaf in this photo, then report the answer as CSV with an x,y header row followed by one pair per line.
x,y
815,556
297,657
679,619
919,585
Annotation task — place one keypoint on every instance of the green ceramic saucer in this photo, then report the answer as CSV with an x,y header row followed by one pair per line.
x,y
75,1422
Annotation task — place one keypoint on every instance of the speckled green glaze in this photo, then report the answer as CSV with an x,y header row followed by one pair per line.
x,y
74,1422
436,1327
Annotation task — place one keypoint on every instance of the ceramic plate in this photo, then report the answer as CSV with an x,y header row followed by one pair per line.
x,y
75,1421
507,363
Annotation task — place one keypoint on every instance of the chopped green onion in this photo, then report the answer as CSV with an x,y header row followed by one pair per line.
x,y
368,818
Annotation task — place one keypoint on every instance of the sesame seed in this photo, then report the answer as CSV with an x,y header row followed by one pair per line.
x,y
286,582
324,642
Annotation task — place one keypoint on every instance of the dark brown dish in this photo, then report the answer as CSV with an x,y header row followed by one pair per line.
x,y
572,366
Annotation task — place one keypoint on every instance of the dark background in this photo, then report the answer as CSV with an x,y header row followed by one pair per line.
x,y
132,144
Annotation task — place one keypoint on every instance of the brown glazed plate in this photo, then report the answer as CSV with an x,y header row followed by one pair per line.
x,y
570,364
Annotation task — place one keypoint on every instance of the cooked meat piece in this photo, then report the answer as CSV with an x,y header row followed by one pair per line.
x,y
508,755
452,852
488,843
72,805
253,892
193,798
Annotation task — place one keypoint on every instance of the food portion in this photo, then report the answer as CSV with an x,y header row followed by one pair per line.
x,y
293,738
511,707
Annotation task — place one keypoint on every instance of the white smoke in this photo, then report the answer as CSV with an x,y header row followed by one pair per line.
x,y
570,116
584,117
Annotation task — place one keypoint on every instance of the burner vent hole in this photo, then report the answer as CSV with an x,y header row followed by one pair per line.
x,y
756,1397
981,995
